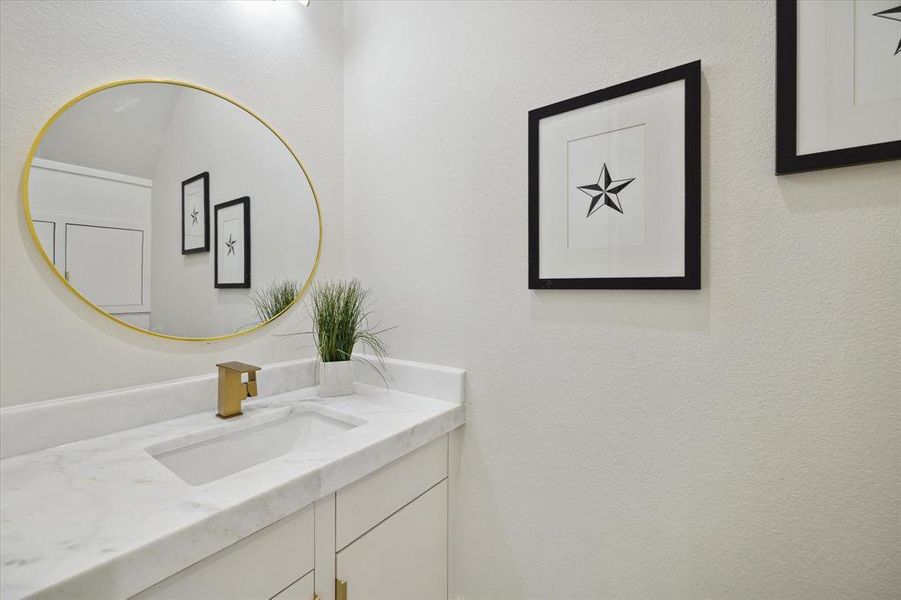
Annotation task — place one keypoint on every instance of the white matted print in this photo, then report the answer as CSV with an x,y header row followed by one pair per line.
x,y
195,220
877,51
606,189
233,244
838,83
614,186
849,77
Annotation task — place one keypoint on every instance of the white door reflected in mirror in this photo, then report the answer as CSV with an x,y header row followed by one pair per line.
x,y
124,190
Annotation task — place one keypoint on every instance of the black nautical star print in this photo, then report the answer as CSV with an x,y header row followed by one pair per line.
x,y
230,244
893,14
606,189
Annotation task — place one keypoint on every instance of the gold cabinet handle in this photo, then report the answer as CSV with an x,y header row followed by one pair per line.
x,y
340,589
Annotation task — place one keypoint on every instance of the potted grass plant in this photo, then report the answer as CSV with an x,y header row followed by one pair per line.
x,y
340,314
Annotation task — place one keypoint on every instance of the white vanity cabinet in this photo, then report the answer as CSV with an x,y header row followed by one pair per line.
x,y
382,537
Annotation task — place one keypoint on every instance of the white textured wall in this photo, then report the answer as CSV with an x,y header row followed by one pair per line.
x,y
279,58
737,442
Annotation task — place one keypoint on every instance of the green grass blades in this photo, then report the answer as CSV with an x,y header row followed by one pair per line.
x,y
271,300
340,313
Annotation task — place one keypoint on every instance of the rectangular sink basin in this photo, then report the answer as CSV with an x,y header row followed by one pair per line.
x,y
217,453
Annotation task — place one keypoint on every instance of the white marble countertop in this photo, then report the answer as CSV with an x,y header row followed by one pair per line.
x,y
101,518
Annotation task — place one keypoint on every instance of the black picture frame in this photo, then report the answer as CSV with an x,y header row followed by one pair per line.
x,y
245,201
787,158
205,176
691,74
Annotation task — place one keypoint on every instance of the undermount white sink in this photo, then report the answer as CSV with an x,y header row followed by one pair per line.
x,y
222,451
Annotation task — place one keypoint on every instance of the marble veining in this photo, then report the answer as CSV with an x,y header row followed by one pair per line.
x,y
102,518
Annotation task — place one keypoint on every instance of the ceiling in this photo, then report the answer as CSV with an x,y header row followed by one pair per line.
x,y
120,129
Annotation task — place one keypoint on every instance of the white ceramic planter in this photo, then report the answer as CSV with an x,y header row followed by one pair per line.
x,y
336,378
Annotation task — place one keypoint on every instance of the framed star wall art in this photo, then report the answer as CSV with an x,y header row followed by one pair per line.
x,y
195,214
232,260
838,83
615,186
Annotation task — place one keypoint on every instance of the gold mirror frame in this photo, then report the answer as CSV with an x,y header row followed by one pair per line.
x,y
26,205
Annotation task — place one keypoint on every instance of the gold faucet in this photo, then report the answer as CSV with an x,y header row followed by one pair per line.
x,y
232,391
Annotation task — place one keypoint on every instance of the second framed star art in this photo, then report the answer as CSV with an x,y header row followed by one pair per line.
x,y
231,264
615,186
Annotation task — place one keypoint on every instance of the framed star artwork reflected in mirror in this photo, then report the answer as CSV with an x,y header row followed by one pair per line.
x,y
232,264
838,83
615,186
195,214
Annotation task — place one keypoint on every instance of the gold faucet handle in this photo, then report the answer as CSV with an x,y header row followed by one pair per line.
x,y
242,368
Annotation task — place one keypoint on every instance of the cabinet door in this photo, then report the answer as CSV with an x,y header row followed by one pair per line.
x,y
404,557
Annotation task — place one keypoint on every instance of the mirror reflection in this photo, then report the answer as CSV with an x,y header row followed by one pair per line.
x,y
173,209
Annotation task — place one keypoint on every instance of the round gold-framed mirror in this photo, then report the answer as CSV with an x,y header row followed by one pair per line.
x,y
172,209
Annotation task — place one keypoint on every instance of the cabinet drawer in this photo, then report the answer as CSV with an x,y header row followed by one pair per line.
x,y
364,504
259,566
302,589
